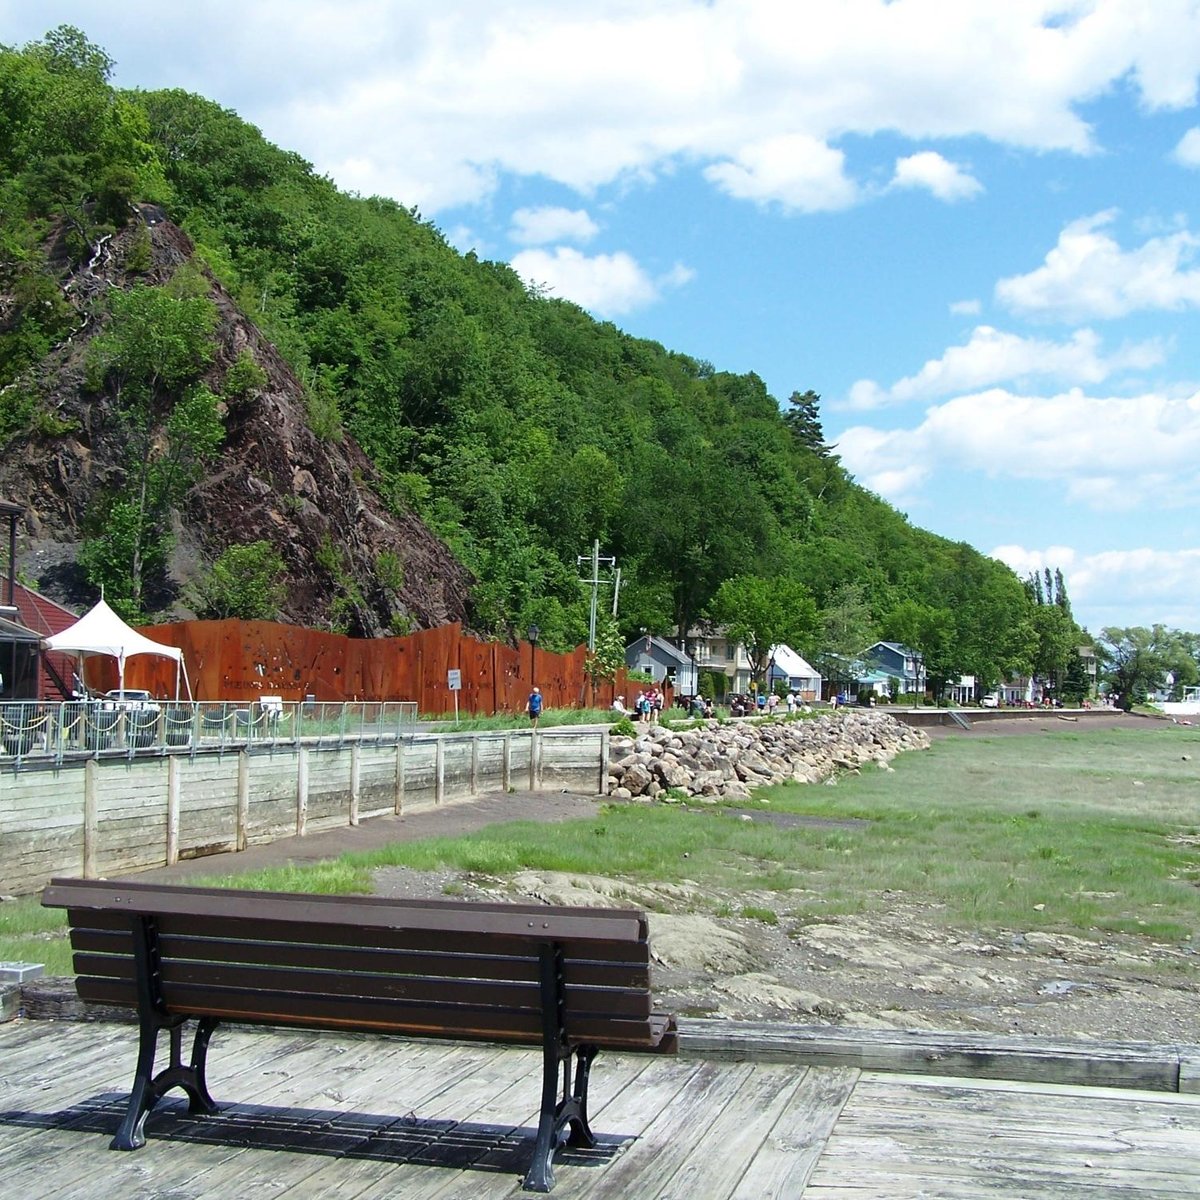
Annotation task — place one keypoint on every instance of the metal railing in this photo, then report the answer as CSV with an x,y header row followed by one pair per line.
x,y
42,731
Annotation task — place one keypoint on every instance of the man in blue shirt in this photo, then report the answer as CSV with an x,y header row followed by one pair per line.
x,y
535,706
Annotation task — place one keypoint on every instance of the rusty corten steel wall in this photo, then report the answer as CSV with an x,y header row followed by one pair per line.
x,y
240,660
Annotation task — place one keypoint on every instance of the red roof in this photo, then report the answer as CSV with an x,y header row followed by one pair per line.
x,y
45,616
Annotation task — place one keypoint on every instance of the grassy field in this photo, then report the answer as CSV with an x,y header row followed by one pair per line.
x,y
1080,832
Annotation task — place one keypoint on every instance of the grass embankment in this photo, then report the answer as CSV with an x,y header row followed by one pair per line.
x,y
1079,832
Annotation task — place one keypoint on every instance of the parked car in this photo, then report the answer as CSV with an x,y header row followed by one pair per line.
x,y
141,711
131,699
991,700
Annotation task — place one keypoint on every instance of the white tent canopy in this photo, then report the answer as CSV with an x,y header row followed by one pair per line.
x,y
101,631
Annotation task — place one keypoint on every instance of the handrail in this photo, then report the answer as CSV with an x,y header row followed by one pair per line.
x,y
55,731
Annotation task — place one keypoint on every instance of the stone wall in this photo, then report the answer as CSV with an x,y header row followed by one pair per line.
x,y
727,760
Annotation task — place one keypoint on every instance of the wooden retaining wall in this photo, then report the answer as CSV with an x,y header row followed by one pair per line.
x,y
109,816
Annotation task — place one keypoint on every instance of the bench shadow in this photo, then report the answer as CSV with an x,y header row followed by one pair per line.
x,y
353,1135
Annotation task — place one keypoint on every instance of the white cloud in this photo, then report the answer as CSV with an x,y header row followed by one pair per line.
x,y
1142,586
1088,275
606,284
799,172
992,356
1135,452
938,175
1187,151
436,106
966,308
537,226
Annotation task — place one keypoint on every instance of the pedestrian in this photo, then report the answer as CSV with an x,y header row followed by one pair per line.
x,y
791,703
656,705
535,706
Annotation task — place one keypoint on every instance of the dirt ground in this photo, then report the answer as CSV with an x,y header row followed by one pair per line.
x,y
901,968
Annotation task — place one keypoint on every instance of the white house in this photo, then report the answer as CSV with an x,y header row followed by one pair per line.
x,y
791,668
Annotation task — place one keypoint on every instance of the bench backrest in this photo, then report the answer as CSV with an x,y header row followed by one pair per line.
x,y
435,968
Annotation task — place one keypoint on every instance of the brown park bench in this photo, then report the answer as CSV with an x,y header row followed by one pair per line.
x,y
572,980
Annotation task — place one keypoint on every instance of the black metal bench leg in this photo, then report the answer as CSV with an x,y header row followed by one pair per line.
x,y
149,1088
142,1096
200,1103
540,1176
581,1133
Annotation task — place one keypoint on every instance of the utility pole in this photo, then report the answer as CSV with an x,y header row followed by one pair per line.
x,y
593,561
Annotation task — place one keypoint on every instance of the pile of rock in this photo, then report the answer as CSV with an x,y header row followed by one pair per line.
x,y
725,761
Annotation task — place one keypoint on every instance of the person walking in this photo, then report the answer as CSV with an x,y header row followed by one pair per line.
x,y
534,706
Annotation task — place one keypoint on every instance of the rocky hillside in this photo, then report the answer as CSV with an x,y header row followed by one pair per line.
x,y
274,480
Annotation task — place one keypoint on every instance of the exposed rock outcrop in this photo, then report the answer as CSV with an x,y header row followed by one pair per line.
x,y
314,499
716,760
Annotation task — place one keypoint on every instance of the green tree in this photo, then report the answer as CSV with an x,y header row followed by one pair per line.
x,y
1137,661
157,339
244,581
846,630
762,614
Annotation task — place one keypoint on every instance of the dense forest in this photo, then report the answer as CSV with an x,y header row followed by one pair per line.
x,y
517,426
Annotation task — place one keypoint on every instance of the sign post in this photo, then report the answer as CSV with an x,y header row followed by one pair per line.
x,y
454,683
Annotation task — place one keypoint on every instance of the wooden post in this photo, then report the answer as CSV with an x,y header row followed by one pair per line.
x,y
301,790
172,810
399,778
439,778
604,751
355,780
533,757
495,680
506,766
242,834
91,770
475,764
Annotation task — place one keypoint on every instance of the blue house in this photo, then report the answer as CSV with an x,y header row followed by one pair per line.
x,y
891,660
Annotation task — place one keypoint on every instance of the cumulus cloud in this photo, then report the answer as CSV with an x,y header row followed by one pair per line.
x,y
1088,275
966,308
605,284
936,174
1187,151
537,226
436,106
992,356
1099,450
799,172
1141,586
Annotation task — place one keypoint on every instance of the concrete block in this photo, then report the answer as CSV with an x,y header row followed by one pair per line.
x,y
20,972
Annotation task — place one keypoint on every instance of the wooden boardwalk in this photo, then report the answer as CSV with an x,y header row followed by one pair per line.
x,y
345,1118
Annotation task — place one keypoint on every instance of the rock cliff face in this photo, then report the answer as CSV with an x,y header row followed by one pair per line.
x,y
274,480
725,761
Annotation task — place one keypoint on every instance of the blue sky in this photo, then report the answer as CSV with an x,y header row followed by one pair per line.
x,y
972,227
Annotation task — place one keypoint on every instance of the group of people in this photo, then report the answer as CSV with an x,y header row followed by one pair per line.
x,y
647,707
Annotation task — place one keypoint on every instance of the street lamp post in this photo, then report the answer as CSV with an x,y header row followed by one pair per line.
x,y
534,632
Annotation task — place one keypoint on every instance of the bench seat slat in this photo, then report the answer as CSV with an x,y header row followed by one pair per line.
x,y
484,990
467,941
340,1012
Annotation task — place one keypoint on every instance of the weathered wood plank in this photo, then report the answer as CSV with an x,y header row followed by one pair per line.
x,y
662,1148
1098,1064
784,1163
718,1163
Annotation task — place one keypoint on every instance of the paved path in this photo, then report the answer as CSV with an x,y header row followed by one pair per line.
x,y
445,820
